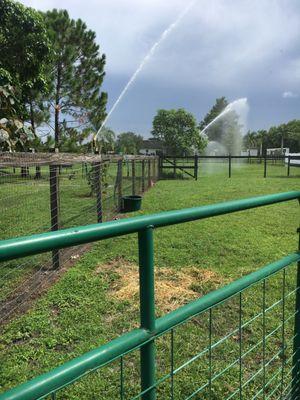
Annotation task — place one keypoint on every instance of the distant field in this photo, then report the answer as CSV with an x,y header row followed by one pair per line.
x,y
94,302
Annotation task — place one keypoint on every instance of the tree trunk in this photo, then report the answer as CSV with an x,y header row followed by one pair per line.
x,y
32,122
57,108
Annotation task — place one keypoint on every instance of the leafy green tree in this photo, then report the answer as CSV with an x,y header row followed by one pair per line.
x,y
215,131
77,72
250,140
14,135
260,141
129,143
293,139
282,136
24,44
25,49
178,130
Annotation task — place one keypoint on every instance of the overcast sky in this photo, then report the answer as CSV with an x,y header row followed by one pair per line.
x,y
232,48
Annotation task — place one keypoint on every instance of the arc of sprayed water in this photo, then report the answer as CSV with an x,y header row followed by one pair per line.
x,y
150,53
225,111
230,107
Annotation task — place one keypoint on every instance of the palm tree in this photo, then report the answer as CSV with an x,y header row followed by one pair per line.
x,y
105,140
261,136
251,140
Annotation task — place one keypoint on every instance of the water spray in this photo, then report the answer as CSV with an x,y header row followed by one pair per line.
x,y
233,106
148,56
240,107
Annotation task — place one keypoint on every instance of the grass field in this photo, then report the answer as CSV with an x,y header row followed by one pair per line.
x,y
95,301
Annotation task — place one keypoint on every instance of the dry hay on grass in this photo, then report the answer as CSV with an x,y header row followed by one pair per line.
x,y
172,288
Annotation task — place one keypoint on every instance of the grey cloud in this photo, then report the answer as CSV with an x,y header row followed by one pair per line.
x,y
236,48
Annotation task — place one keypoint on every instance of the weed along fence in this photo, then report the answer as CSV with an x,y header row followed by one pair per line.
x,y
47,192
197,166
257,356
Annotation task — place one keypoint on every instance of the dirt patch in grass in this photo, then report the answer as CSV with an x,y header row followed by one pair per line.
x,y
173,288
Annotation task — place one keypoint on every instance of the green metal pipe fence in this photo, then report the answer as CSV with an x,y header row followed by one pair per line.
x,y
275,372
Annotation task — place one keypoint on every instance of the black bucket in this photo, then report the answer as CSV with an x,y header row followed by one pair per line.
x,y
131,203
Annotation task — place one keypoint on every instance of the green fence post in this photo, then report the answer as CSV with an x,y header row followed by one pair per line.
x,y
229,166
147,311
296,347
289,166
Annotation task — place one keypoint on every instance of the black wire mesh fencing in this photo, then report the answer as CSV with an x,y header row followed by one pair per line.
x,y
186,167
47,192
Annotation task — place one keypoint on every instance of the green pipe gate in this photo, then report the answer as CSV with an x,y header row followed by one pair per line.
x,y
285,379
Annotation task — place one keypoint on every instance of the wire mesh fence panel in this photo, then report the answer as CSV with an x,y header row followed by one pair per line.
x,y
243,166
44,192
240,348
238,341
77,196
24,200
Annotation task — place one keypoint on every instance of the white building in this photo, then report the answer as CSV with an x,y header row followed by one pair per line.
x,y
152,147
249,152
294,162
277,151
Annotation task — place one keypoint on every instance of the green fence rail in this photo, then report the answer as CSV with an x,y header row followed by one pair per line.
x,y
269,330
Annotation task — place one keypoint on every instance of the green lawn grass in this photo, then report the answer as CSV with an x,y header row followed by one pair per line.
x,y
80,312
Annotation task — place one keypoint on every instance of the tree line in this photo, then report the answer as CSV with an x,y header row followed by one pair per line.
x,y
277,137
51,76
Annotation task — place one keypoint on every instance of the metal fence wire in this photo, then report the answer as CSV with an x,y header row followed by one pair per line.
x,y
239,341
42,192
181,167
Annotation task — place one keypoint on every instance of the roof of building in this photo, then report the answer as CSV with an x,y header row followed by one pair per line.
x,y
152,144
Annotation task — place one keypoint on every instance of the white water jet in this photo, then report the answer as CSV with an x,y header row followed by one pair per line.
x,y
150,53
240,106
232,131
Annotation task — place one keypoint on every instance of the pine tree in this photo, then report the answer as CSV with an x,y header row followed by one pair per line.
x,y
77,73
214,132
